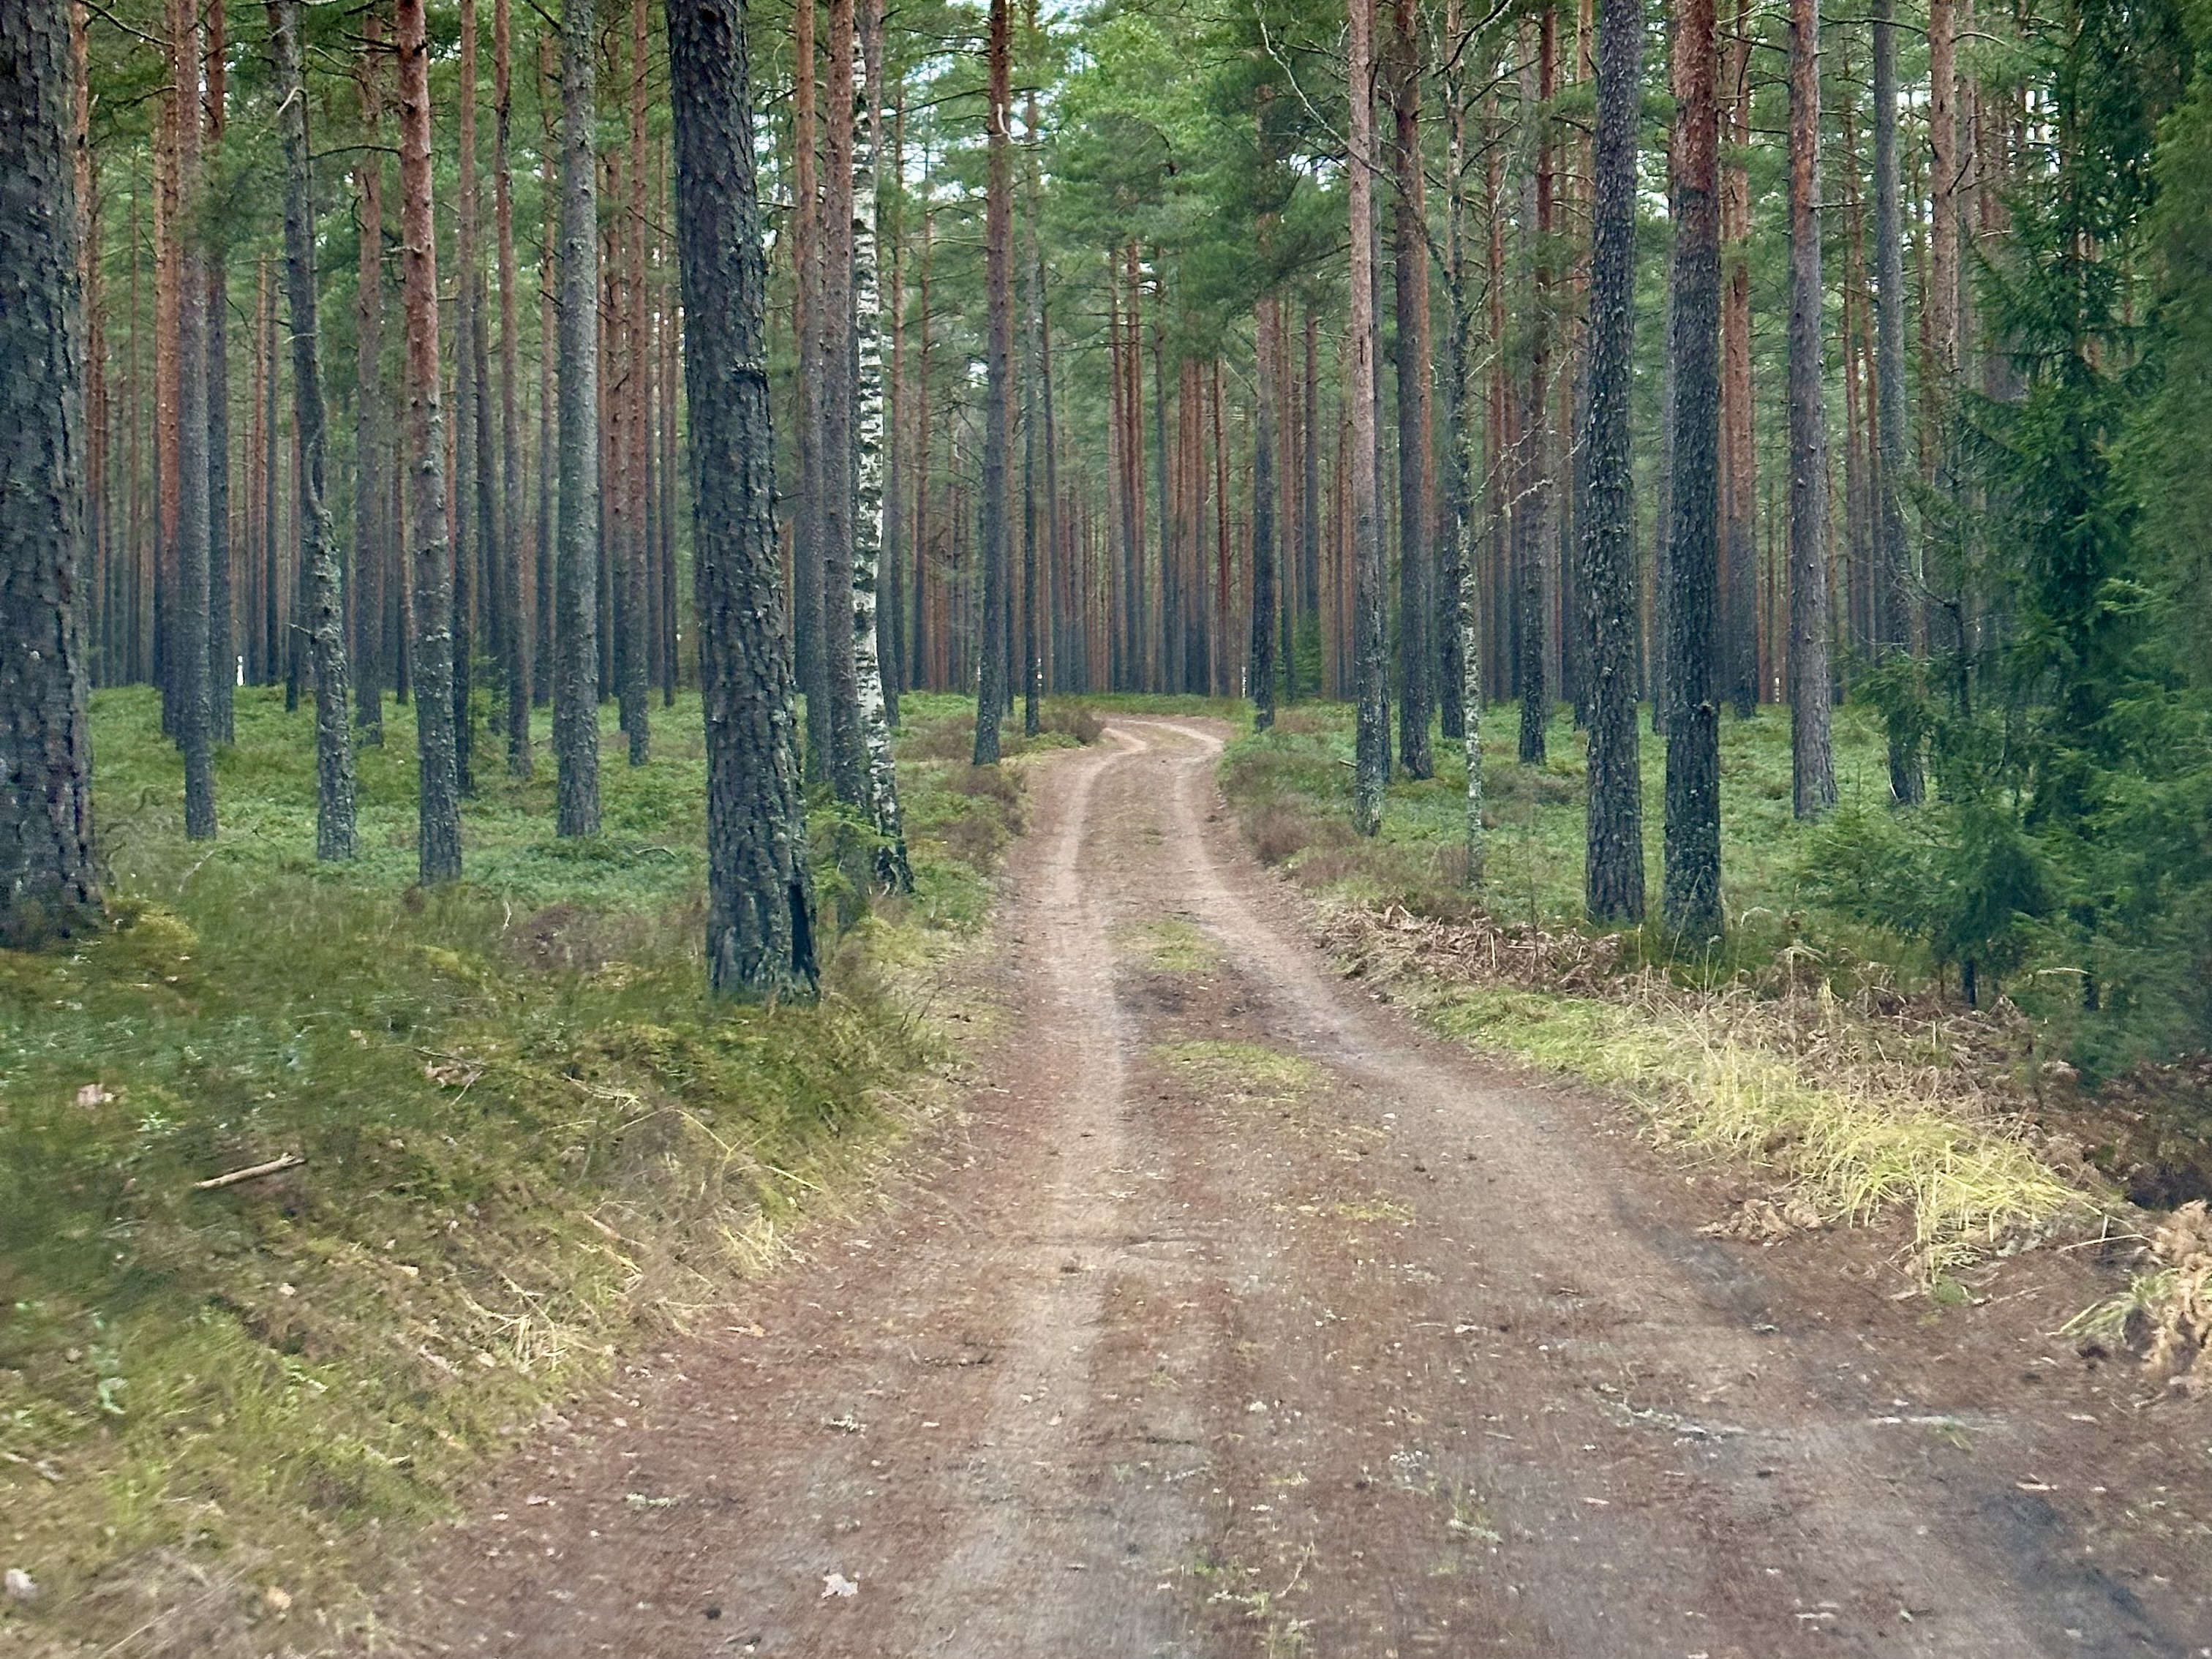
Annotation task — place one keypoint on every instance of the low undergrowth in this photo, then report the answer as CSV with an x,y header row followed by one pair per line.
x,y
1858,1115
524,1136
1802,1044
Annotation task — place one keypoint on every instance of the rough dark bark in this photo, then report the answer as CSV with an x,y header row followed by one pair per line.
x,y
636,608
514,630
576,644
318,549
1409,260
1892,573
222,649
1812,758
370,547
188,638
542,666
438,832
471,532
48,888
1613,863
1532,506
998,261
1260,672
760,901
1690,896
1371,744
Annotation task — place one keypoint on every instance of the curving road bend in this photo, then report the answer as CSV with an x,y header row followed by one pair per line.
x,y
1237,1317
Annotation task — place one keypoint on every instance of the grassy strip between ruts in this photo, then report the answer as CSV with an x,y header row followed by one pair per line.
x,y
1858,1109
526,1138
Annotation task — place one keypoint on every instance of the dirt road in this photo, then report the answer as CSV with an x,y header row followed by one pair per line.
x,y
1239,1317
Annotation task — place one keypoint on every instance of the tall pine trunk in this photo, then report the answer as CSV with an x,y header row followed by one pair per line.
x,y
514,626
998,262
760,899
808,589
1690,896
49,886
370,548
1371,744
1260,676
635,614
222,650
576,643
1416,438
1613,865
438,832
1812,760
188,636
848,765
1894,592
319,549
470,531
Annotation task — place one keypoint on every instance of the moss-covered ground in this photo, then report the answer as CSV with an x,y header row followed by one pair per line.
x,y
526,1135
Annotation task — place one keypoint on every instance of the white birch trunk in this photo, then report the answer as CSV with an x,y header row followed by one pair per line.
x,y
892,870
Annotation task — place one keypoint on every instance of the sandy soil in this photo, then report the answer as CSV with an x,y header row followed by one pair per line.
x,y
1235,1316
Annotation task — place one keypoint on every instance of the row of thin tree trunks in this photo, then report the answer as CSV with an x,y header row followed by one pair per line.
x,y
131,598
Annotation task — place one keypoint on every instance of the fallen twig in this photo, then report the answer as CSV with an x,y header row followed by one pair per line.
x,y
252,1172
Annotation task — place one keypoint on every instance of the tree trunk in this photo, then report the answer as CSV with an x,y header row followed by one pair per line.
x,y
1029,435
1812,761
438,839
1892,582
49,886
630,485
222,652
514,604
1371,747
890,643
1739,663
1416,437
1690,897
1606,517
369,548
1260,676
543,666
807,587
893,873
848,760
760,899
998,261
470,531
318,549
576,644
188,636
1532,506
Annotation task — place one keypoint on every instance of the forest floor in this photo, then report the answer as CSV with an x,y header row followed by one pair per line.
x,y
1236,1312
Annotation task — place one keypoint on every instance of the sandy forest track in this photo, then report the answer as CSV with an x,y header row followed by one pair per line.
x,y
1236,1316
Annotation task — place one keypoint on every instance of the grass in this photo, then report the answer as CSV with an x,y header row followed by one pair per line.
x,y
1248,1070
526,1135
1292,787
1172,946
1788,1046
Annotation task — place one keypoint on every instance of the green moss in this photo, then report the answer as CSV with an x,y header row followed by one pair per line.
x,y
524,1130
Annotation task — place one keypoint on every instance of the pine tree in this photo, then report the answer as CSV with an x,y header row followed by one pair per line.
x,y
1371,745
324,601
49,887
1812,768
576,645
371,550
760,901
1613,866
1690,898
998,259
1416,437
438,830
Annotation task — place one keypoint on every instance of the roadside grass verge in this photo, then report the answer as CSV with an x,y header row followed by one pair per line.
x,y
1801,1046
527,1139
